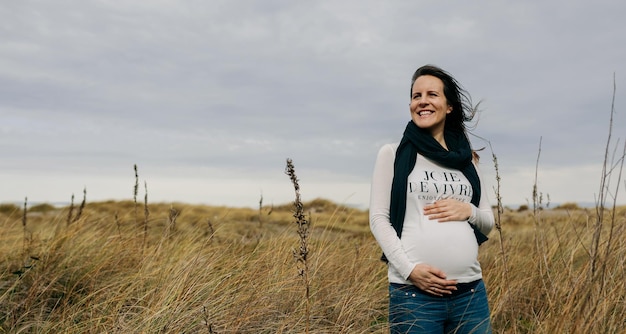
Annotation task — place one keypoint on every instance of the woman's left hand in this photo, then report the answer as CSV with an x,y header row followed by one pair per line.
x,y
449,209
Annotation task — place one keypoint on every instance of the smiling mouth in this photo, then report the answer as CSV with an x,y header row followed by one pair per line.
x,y
425,112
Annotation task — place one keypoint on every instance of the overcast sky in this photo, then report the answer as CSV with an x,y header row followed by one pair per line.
x,y
209,98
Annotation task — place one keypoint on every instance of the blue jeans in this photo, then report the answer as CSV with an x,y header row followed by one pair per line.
x,y
414,311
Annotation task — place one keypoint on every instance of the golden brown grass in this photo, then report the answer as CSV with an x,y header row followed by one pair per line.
x,y
220,271
548,287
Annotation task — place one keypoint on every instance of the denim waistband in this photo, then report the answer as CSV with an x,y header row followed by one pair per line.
x,y
460,288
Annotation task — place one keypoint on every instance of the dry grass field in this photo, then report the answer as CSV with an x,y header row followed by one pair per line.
x,y
128,267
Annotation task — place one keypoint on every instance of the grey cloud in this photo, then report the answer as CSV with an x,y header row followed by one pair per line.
x,y
242,85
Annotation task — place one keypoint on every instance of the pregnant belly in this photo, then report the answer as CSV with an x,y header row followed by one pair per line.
x,y
449,246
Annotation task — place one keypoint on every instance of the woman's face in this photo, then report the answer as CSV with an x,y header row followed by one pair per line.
x,y
429,106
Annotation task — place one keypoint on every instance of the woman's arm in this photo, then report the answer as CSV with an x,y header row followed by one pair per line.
x,y
380,225
482,216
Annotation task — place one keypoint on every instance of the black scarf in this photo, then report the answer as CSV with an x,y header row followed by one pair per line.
x,y
458,156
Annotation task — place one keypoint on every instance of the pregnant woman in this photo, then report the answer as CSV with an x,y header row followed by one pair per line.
x,y
429,213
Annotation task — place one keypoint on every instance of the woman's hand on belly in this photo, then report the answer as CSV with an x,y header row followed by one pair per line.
x,y
449,209
431,280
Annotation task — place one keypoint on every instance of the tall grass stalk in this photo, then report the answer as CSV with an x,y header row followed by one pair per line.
x,y
505,277
70,211
261,211
499,212
136,192
541,244
82,205
604,192
598,267
146,215
26,238
301,255
71,218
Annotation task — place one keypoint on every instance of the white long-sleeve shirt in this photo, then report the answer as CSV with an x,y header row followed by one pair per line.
x,y
449,246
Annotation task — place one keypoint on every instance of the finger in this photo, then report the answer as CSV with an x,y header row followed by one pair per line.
x,y
439,292
430,209
437,272
449,287
443,283
446,285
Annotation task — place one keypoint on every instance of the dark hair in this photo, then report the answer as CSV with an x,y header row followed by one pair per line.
x,y
457,97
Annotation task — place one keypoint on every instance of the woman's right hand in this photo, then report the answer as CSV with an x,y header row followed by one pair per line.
x,y
431,280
